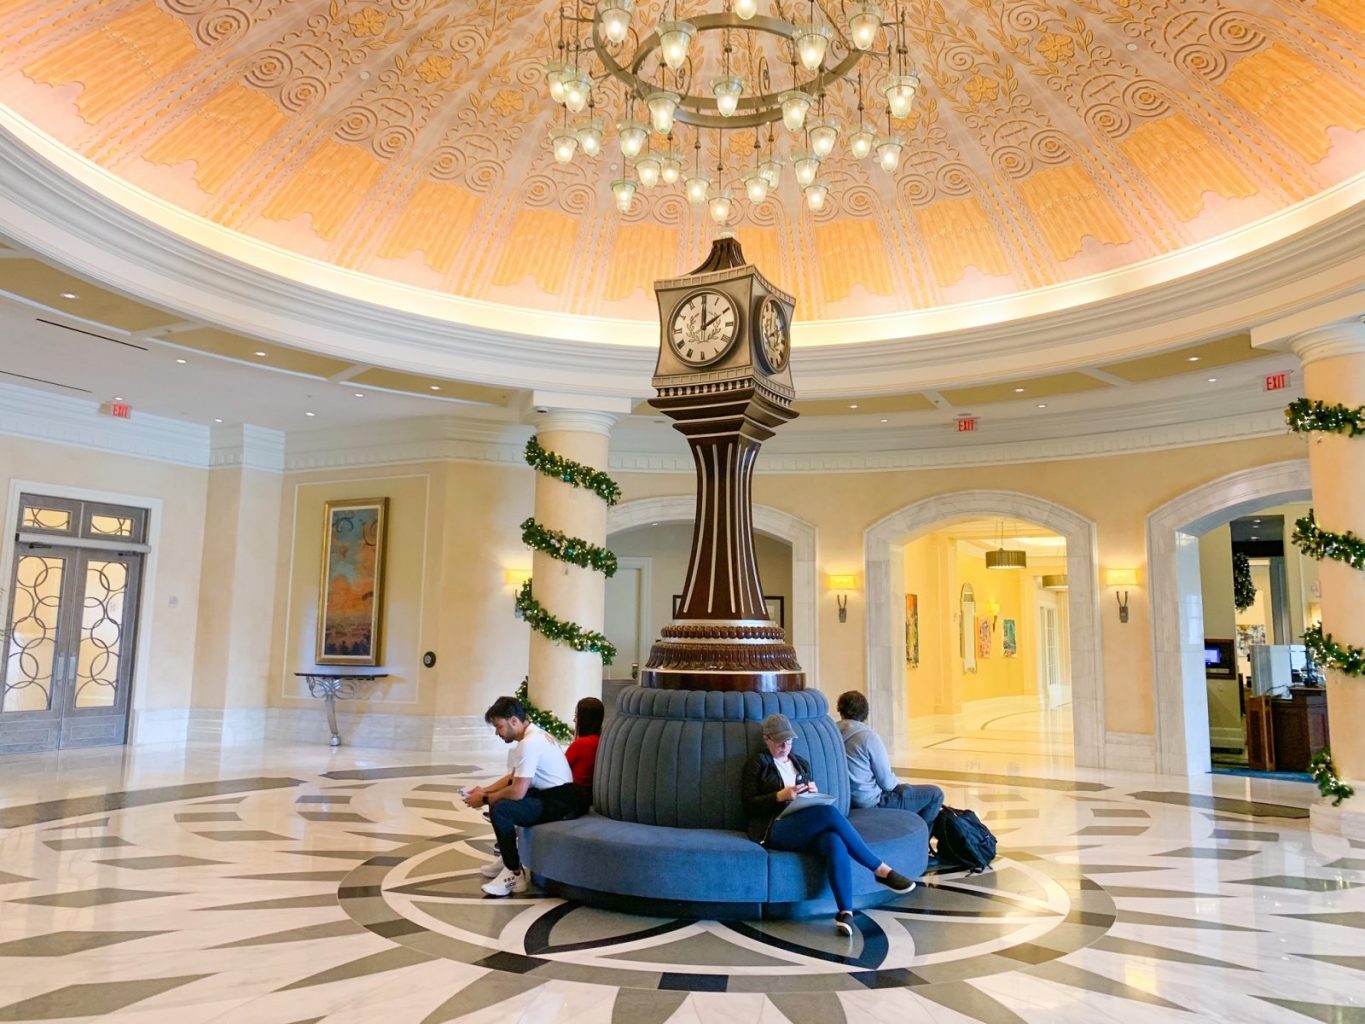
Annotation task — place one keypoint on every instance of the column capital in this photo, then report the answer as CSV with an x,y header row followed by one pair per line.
x,y
593,414
1343,339
246,446
1338,318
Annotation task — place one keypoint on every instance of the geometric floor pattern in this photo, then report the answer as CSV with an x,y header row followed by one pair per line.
x,y
296,886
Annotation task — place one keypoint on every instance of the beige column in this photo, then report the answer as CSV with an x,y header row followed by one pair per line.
x,y
1333,358
559,675
237,584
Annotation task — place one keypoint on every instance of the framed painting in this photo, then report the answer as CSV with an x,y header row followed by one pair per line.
x,y
912,630
983,637
776,608
1009,639
351,591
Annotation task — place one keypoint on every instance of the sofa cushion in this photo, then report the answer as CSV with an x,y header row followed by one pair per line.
x,y
650,861
676,758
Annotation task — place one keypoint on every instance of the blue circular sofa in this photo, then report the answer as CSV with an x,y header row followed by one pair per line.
x,y
667,833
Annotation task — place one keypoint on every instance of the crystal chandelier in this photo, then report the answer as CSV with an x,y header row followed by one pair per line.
x,y
710,75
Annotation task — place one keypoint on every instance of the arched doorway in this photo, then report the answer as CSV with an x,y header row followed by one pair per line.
x,y
884,639
1173,531
799,533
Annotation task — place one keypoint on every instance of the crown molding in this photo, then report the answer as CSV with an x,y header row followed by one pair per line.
x,y
43,416
59,205
403,442
246,446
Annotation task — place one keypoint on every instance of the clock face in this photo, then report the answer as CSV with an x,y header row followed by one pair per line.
x,y
772,334
704,327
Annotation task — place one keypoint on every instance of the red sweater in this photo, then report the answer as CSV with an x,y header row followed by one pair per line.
x,y
582,755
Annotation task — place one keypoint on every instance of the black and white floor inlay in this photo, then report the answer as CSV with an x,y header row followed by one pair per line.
x,y
306,887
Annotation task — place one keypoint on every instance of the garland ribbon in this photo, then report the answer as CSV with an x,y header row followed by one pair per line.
x,y
1349,660
1305,415
1325,775
547,720
553,464
1317,543
559,631
575,550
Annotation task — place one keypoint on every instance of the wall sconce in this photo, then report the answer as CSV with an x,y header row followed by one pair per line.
x,y
994,606
1121,578
841,584
516,579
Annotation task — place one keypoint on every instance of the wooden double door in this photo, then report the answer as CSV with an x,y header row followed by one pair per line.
x,y
70,626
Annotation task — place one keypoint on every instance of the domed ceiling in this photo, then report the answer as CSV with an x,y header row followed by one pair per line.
x,y
408,139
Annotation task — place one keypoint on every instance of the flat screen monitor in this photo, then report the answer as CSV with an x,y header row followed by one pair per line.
x,y
1220,659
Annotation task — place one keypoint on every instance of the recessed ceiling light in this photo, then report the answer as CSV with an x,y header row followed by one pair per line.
x,y
1018,391
1254,537
69,295
182,362
1212,380
883,421
217,419
365,75
1132,46
853,405
360,394
1255,520
1192,359
1042,405
436,387
261,354
310,414
119,398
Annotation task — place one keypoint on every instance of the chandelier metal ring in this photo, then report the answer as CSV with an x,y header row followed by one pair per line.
x,y
763,108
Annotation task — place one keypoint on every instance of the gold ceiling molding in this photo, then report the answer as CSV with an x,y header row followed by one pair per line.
x,y
1050,143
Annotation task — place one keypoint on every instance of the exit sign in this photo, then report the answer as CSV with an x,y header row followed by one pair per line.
x,y
1277,381
966,424
121,410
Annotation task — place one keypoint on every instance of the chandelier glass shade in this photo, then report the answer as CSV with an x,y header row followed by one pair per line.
x,y
781,71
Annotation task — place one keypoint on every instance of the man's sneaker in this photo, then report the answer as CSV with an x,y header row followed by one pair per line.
x,y
896,882
509,883
492,869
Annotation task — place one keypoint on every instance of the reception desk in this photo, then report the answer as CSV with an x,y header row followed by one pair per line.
x,y
1285,733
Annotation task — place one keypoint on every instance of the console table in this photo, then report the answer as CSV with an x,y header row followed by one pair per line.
x,y
1284,734
335,686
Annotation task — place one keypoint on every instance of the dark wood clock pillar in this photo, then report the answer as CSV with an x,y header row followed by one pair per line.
x,y
724,379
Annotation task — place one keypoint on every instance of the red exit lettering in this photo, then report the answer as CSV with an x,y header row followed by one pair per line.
x,y
966,424
122,410
1277,381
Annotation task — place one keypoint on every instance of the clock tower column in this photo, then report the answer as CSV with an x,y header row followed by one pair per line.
x,y
723,378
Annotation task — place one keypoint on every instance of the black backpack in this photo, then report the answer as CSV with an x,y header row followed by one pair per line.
x,y
963,839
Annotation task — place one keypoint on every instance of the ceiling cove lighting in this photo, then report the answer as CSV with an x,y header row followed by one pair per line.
x,y
712,68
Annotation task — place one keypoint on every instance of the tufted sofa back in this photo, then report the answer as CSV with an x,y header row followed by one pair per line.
x,y
676,757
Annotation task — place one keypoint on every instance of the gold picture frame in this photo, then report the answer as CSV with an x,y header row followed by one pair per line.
x,y
351,583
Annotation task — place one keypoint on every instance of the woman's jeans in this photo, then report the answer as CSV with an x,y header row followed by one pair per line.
x,y
824,830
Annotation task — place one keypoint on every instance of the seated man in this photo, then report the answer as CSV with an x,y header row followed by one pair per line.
x,y
869,770
538,787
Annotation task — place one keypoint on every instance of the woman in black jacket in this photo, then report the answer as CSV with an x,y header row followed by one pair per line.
x,y
772,778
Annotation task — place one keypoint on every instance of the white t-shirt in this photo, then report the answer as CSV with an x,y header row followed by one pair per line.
x,y
540,759
787,770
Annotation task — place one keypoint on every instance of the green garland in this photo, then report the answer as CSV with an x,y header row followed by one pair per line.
x,y
1317,543
558,630
1349,660
547,720
560,545
552,464
1325,775
1307,415
1243,589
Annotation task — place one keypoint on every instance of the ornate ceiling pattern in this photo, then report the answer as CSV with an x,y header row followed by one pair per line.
x,y
1051,141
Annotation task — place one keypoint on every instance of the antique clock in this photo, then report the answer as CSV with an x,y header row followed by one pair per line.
x,y
723,376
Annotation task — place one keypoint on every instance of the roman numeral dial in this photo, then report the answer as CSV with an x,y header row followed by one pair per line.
x,y
703,328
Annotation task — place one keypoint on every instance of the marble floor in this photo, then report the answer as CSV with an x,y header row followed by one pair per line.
x,y
292,885
1000,725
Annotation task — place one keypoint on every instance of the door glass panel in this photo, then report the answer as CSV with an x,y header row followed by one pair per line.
x,y
35,517
111,526
32,648
101,641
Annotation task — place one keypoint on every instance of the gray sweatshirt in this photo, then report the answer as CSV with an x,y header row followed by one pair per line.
x,y
869,769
